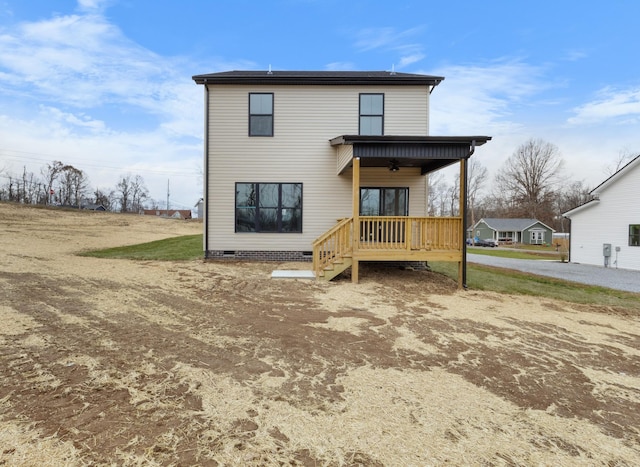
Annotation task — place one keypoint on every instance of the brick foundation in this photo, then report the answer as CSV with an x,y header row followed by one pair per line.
x,y
248,255
305,256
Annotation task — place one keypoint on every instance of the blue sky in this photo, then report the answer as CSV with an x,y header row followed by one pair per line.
x,y
106,85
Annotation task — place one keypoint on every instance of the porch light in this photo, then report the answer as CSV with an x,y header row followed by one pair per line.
x,y
393,165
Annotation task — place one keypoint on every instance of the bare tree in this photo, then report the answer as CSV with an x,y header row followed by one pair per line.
x,y
139,193
72,185
103,198
50,175
476,177
131,192
453,196
529,178
624,157
437,194
123,192
569,197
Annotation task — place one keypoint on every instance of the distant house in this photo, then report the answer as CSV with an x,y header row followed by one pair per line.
x,y
92,206
527,231
606,230
172,213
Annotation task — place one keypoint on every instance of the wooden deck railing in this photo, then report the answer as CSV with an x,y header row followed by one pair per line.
x,y
410,233
387,234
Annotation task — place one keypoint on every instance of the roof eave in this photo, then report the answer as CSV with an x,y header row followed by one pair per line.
x,y
318,78
400,139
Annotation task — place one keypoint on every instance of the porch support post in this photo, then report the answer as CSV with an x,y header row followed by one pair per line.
x,y
356,219
462,265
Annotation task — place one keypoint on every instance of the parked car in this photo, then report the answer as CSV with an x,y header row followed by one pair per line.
x,y
487,242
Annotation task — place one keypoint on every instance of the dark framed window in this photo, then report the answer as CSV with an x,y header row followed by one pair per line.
x,y
384,201
269,207
634,235
371,114
261,114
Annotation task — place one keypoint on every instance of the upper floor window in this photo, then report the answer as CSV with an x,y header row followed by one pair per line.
x,y
371,114
634,235
261,114
269,207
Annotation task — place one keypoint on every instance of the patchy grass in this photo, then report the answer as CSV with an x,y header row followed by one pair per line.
x,y
509,281
479,277
514,253
184,248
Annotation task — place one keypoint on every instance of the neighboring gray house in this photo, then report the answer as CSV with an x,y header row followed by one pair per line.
x,y
527,231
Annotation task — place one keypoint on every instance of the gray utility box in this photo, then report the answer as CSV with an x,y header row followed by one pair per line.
x,y
606,252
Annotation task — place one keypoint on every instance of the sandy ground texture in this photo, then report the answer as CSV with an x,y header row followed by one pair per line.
x,y
117,362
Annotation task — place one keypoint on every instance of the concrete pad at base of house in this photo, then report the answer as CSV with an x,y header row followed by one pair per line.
x,y
291,274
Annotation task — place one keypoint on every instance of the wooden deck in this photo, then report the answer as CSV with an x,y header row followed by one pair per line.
x,y
389,238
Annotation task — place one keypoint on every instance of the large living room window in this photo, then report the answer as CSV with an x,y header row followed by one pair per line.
x,y
371,114
260,114
269,207
634,235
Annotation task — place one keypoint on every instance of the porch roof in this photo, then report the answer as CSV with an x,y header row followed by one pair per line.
x,y
427,152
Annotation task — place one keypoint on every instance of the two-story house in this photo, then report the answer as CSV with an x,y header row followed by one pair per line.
x,y
329,165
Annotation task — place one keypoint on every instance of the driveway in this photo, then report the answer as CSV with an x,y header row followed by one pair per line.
x,y
619,279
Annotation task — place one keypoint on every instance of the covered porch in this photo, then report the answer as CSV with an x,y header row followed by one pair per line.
x,y
396,238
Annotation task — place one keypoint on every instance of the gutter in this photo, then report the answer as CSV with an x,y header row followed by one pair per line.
x,y
464,215
206,171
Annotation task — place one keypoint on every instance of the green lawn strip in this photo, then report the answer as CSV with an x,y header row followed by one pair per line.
x,y
186,247
513,253
509,281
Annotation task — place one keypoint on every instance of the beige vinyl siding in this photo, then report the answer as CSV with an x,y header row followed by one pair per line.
x,y
305,119
344,155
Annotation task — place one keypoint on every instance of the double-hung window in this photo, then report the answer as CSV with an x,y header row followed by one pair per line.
x,y
261,114
634,235
269,207
371,114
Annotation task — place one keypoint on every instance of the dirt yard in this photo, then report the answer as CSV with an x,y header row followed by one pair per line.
x,y
116,362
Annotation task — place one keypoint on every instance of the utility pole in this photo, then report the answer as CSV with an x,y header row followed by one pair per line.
x,y
167,197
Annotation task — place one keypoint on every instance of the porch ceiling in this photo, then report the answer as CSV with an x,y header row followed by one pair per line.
x,y
430,153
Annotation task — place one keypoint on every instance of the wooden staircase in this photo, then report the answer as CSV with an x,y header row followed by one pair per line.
x,y
332,252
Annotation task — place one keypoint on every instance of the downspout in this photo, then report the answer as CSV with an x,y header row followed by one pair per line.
x,y
464,215
206,171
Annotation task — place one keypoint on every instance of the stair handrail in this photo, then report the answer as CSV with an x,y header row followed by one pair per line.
x,y
334,244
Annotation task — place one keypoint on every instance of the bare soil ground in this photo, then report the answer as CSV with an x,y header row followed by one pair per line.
x,y
116,362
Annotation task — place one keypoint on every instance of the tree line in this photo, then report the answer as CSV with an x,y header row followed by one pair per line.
x,y
62,184
530,184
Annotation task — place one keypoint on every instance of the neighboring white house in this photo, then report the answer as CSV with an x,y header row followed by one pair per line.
x,y
289,154
606,230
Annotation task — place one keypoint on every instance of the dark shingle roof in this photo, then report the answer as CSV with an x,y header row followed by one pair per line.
x,y
317,77
510,225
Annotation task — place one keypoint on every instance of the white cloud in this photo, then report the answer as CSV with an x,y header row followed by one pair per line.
x,y
481,98
93,5
81,121
621,106
410,59
340,66
389,39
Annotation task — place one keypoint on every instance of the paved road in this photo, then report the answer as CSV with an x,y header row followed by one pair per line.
x,y
619,279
